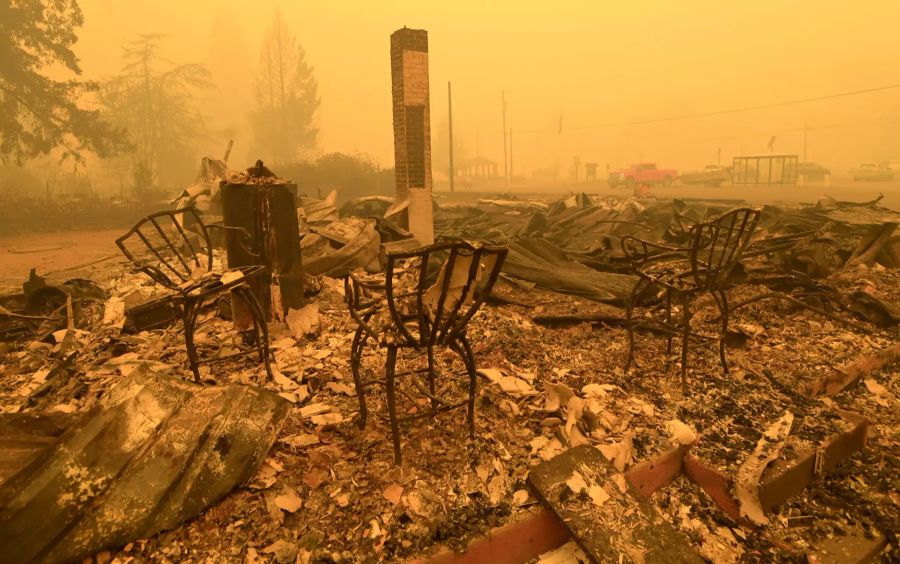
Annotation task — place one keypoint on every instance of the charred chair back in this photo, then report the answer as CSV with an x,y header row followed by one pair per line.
x,y
707,264
717,246
181,260
425,300
446,294
167,252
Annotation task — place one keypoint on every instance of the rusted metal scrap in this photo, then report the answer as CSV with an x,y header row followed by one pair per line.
x,y
341,247
25,436
541,262
42,308
157,452
875,242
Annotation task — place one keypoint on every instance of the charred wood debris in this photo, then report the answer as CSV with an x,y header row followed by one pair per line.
x,y
110,452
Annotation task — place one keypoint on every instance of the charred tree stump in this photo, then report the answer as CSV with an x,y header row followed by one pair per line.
x,y
266,211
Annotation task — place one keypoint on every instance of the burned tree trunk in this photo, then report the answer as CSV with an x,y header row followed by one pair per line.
x,y
265,209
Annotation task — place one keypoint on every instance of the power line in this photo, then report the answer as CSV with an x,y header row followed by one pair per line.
x,y
722,112
760,132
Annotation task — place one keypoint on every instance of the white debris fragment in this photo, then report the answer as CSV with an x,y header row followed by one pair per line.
x,y
680,432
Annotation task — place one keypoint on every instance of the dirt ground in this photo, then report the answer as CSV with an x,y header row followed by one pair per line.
x,y
70,254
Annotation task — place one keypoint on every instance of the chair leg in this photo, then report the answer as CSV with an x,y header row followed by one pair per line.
x,y
356,348
686,332
669,324
260,328
431,379
629,311
191,309
723,308
468,358
389,366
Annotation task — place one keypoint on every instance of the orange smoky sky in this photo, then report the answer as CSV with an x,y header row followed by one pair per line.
x,y
585,65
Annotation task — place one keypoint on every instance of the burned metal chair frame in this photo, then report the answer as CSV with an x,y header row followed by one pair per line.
x,y
714,250
173,270
421,329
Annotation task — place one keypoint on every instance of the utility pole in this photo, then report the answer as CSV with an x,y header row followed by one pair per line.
x,y
505,164
450,119
805,135
510,154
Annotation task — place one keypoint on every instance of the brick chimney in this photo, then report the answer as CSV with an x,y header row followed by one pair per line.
x,y
412,128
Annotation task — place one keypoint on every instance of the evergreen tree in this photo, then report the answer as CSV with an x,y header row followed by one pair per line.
x,y
156,102
286,98
39,114
231,66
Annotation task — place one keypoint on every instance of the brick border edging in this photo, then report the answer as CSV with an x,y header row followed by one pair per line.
x,y
840,378
652,475
543,531
789,481
517,542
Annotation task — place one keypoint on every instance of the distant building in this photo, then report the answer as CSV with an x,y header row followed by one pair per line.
x,y
477,167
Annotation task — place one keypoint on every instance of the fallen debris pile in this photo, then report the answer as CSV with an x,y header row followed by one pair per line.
x,y
327,491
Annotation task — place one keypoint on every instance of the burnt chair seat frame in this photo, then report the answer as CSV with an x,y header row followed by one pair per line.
x,y
174,263
421,328
708,263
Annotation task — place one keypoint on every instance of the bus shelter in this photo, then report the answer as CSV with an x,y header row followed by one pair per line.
x,y
765,170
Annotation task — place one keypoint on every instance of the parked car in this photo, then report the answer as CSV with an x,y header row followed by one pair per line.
x,y
710,175
872,172
812,171
643,173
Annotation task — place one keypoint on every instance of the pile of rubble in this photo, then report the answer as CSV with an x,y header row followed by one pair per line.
x,y
707,467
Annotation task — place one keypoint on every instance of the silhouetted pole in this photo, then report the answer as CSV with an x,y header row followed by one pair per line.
x,y
510,154
805,135
505,166
228,150
450,119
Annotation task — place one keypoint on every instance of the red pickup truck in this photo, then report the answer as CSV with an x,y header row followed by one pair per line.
x,y
643,173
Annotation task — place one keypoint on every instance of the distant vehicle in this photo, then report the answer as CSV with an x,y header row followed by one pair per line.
x,y
643,173
710,175
812,171
872,172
